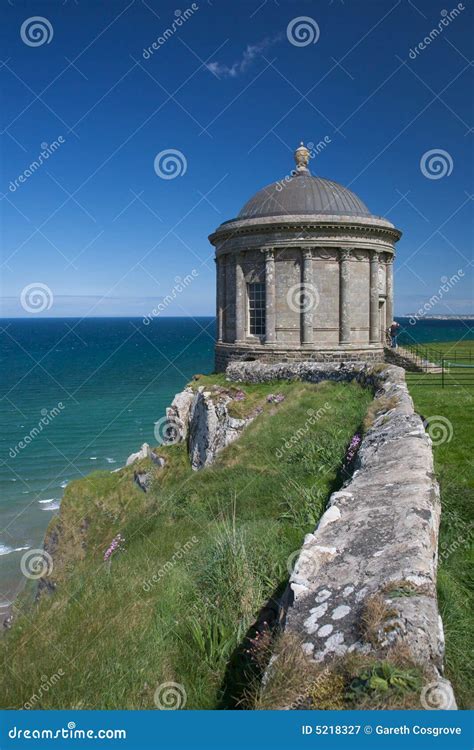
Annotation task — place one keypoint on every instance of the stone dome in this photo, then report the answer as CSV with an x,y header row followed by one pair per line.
x,y
300,193
304,194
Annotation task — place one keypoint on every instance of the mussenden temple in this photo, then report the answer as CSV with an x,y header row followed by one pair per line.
x,y
305,272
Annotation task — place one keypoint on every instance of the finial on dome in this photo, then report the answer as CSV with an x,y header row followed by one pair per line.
x,y
302,157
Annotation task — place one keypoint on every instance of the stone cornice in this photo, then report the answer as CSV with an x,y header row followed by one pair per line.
x,y
313,225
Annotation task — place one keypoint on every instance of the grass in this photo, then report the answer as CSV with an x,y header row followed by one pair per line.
x,y
190,598
454,469
353,681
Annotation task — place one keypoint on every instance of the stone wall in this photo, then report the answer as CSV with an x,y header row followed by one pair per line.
x,y
365,579
225,354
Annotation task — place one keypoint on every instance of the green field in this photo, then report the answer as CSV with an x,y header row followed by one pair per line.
x,y
205,555
453,451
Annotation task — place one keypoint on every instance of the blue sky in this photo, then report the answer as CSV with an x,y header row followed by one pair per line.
x,y
106,235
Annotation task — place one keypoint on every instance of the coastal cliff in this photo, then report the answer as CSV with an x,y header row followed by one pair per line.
x,y
226,539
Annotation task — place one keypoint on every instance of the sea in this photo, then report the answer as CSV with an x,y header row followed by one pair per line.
x,y
80,395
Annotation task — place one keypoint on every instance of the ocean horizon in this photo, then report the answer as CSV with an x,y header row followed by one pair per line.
x,y
80,395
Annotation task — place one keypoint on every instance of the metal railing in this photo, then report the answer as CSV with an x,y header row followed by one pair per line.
x,y
434,367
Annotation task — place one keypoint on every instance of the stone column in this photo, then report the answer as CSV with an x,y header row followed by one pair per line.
x,y
220,263
270,335
240,297
374,332
389,290
308,297
344,287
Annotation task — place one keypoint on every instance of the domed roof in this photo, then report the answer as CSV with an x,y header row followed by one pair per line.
x,y
301,193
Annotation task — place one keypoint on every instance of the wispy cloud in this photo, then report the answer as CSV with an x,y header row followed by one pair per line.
x,y
251,52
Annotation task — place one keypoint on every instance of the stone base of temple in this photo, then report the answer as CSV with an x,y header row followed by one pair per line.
x,y
226,353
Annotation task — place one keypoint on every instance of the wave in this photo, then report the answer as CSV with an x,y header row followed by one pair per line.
x,y
54,506
50,500
64,484
5,550
111,460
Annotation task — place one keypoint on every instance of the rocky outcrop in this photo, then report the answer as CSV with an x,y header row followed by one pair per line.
x,y
201,419
144,452
143,479
365,579
211,428
178,415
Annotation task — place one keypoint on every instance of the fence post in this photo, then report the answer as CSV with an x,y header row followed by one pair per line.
x,y
442,373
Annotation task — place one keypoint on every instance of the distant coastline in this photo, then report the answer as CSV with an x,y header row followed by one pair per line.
x,y
438,317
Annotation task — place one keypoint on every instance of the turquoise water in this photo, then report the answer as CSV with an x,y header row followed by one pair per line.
x,y
431,331
100,385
